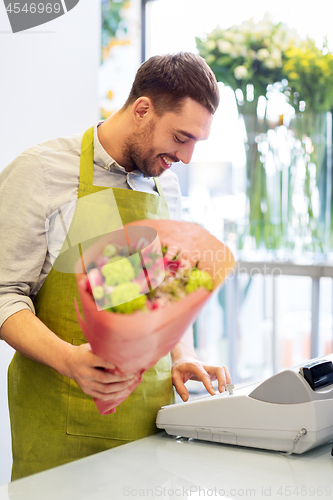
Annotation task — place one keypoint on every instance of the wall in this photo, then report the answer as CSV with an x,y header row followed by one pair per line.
x,y
48,88
49,78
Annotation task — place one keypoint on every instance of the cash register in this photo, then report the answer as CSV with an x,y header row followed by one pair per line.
x,y
290,412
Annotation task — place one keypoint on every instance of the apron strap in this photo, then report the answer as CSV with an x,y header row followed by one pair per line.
x,y
87,158
87,162
159,187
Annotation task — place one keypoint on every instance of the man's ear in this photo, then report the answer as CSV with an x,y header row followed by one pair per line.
x,y
142,109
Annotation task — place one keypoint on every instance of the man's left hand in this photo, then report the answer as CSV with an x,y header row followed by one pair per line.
x,y
189,367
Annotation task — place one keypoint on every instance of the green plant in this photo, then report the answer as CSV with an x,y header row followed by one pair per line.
x,y
113,24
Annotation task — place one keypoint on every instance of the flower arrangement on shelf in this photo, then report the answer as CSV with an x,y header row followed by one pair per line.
x,y
265,52
285,153
309,71
249,53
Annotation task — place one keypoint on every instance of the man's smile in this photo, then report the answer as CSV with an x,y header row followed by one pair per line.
x,y
167,161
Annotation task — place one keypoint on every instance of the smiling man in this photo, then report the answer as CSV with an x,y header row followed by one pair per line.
x,y
54,375
169,109
151,143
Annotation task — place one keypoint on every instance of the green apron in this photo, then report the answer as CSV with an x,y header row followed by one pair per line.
x,y
52,421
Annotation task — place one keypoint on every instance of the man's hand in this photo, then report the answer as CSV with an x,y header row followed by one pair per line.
x,y
93,376
185,366
191,368
29,336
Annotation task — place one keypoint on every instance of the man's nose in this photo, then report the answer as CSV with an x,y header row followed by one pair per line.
x,y
185,153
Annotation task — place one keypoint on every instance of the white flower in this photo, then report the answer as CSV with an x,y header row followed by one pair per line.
x,y
262,54
276,53
277,39
238,50
229,35
263,28
270,63
257,35
210,45
240,72
239,38
224,46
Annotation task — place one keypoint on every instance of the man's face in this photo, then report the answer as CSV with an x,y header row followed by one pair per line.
x,y
167,139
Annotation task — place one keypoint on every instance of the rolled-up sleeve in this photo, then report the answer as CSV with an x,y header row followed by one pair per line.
x,y
24,204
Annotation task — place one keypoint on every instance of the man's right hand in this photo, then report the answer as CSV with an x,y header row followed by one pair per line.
x,y
29,336
92,375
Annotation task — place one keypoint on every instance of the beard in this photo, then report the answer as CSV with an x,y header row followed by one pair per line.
x,y
139,151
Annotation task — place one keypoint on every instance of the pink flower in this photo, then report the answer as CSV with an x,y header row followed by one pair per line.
x,y
95,278
171,265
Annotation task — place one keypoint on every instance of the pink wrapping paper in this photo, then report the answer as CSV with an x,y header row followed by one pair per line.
x,y
134,343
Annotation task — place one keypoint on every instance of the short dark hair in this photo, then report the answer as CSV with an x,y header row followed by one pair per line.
x,y
168,79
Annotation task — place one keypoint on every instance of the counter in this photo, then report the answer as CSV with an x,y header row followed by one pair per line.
x,y
163,467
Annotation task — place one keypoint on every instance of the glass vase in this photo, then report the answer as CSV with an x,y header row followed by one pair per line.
x,y
288,197
267,145
310,192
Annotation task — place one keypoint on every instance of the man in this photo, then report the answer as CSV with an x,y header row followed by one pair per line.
x,y
54,375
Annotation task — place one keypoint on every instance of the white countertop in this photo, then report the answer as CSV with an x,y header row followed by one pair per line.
x,y
163,467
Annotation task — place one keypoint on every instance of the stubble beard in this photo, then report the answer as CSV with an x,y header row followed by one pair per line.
x,y
137,154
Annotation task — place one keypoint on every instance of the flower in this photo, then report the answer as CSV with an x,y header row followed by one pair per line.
x,y
197,279
127,298
309,71
240,72
248,53
120,284
264,53
224,46
117,271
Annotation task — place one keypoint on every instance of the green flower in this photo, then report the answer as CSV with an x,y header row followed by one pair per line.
x,y
118,270
199,279
110,250
126,298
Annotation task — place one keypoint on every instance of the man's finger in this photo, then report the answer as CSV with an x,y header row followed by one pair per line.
x,y
227,373
201,374
107,391
105,377
180,386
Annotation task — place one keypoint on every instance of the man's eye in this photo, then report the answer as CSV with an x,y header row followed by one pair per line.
x,y
178,140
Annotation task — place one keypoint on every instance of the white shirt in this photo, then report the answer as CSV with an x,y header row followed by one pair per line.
x,y
32,188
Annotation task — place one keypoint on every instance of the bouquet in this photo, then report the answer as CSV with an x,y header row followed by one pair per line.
x,y
134,323
120,282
